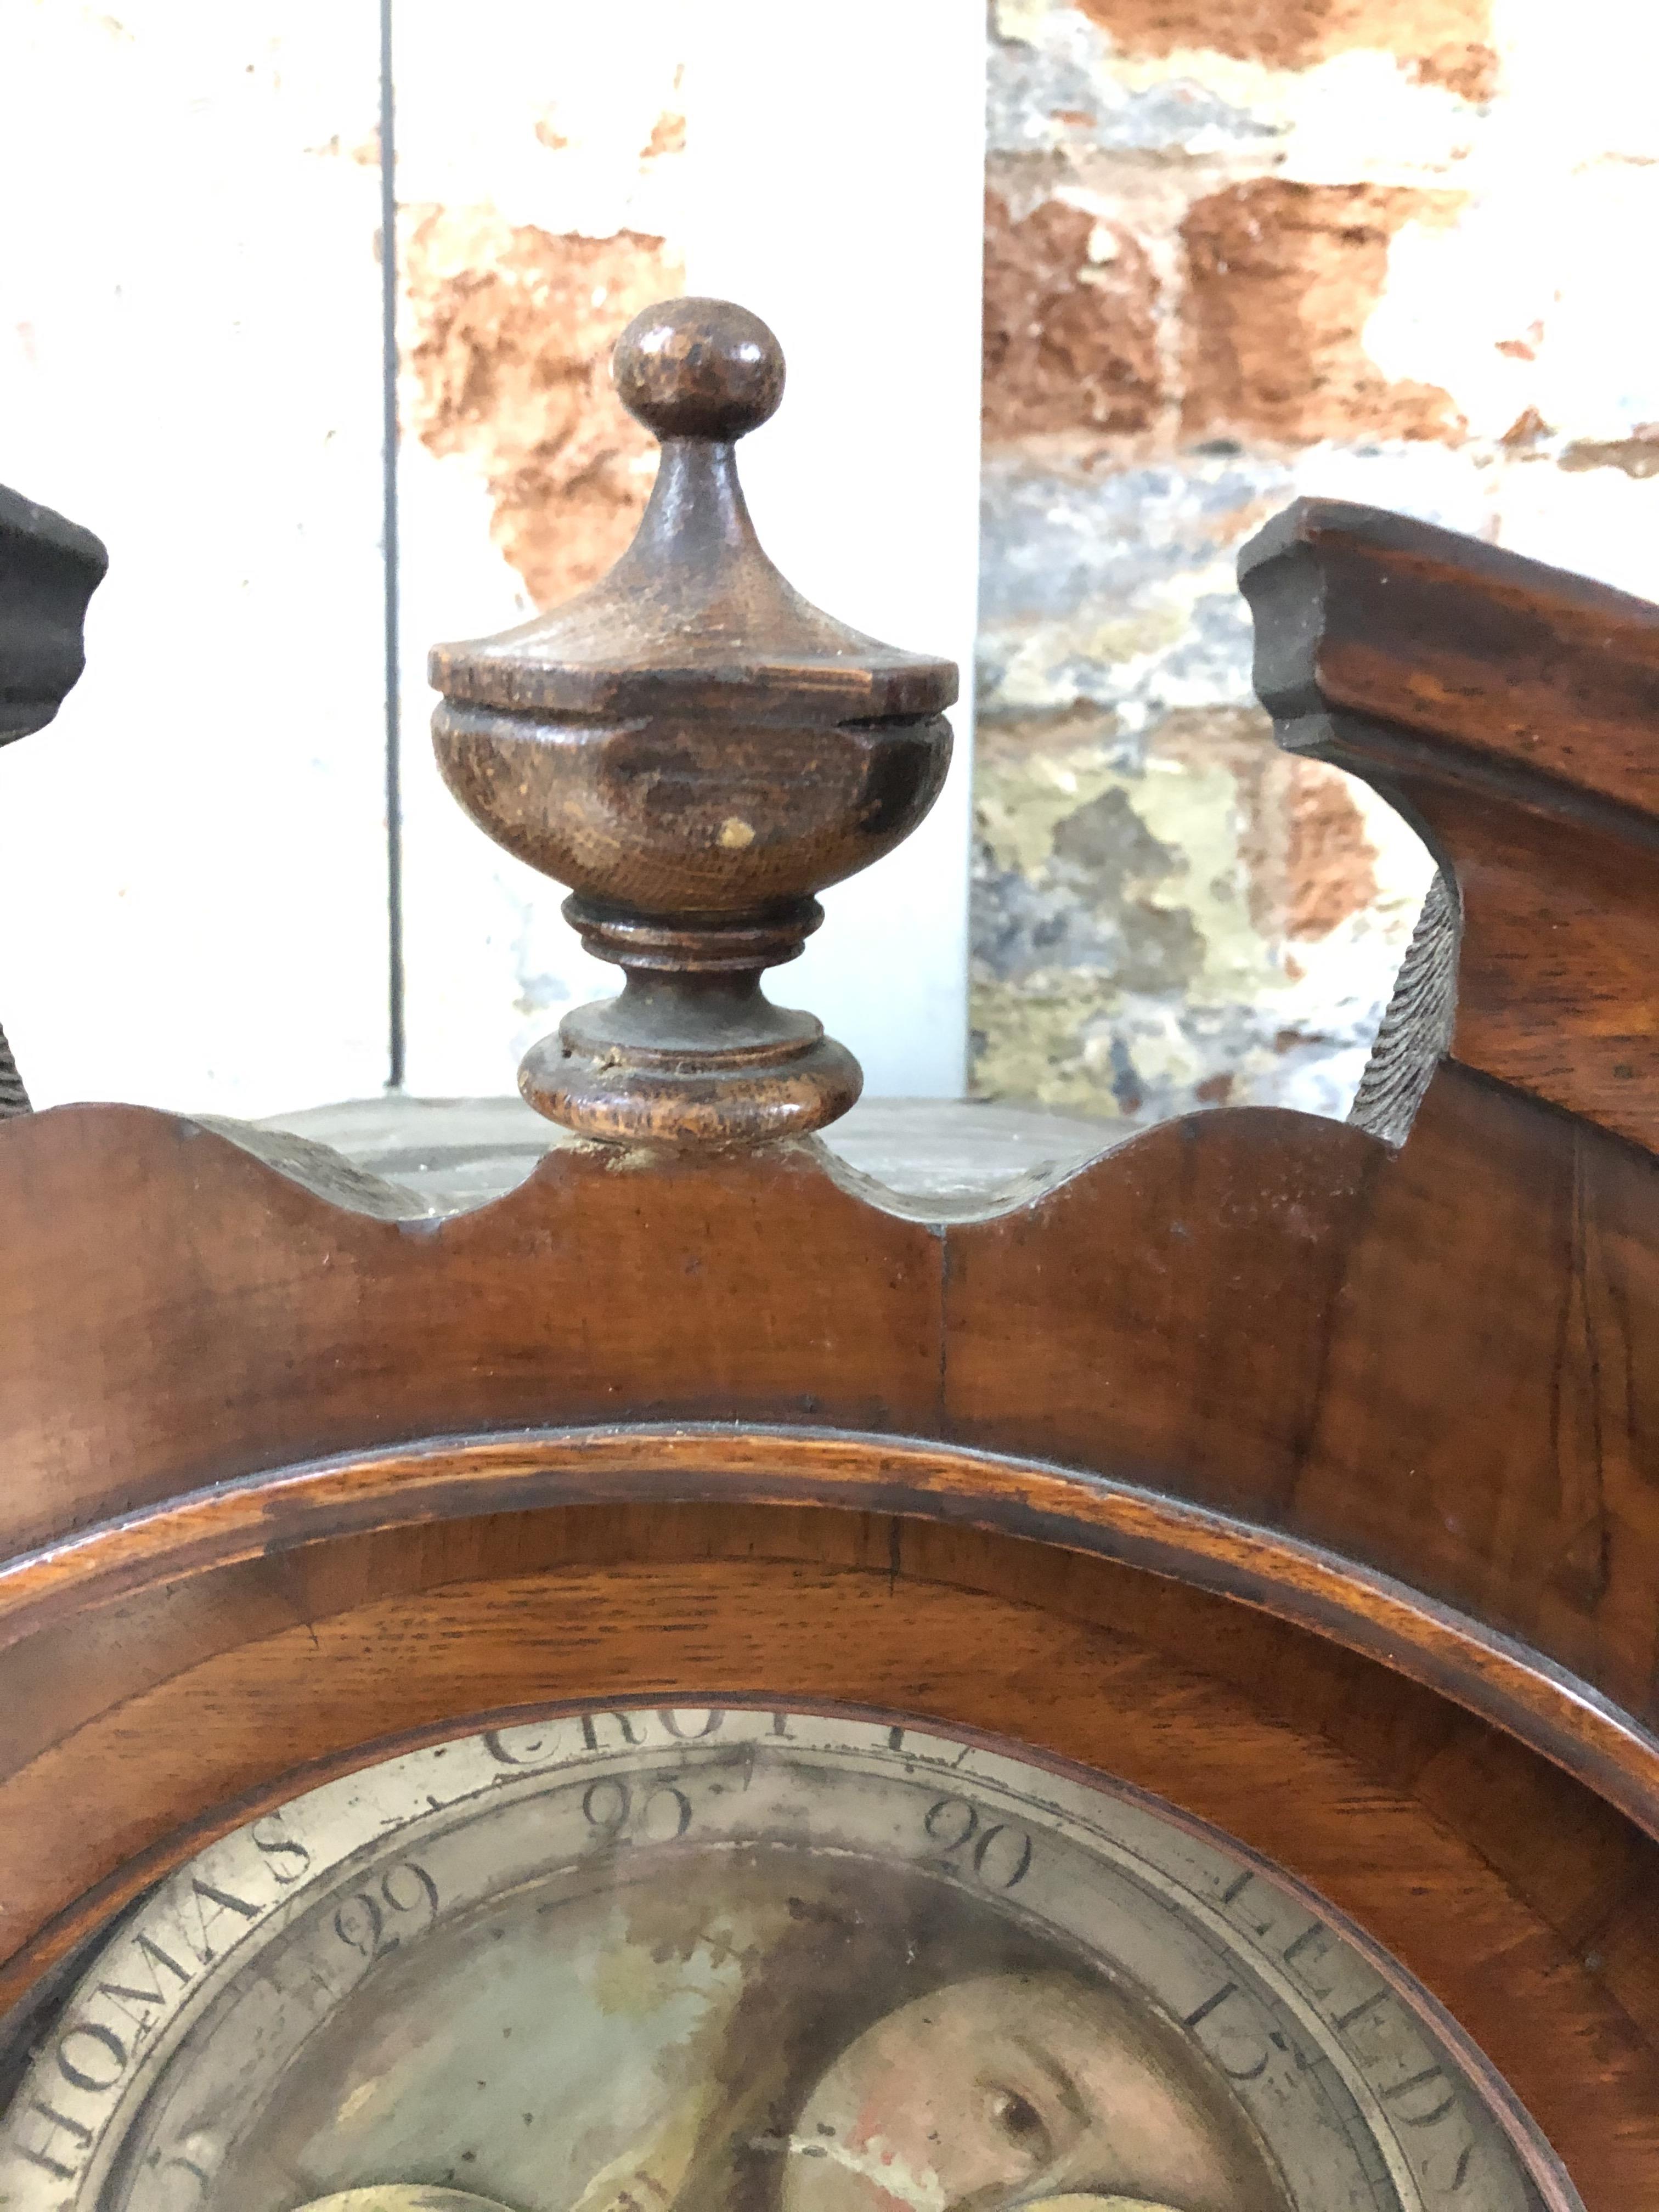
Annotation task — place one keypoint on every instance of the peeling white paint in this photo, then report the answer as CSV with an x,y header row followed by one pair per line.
x,y
192,884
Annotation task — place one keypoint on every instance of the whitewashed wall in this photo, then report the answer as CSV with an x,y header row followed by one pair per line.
x,y
192,858
193,883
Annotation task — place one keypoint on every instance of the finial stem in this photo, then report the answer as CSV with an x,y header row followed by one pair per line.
x,y
696,504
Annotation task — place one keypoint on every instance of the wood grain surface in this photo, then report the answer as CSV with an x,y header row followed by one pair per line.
x,y
61,1589
1439,1365
1517,664
1305,1480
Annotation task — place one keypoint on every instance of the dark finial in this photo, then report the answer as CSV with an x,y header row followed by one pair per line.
x,y
49,570
695,751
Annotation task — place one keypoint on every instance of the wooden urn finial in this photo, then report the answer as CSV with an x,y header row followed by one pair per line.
x,y
695,751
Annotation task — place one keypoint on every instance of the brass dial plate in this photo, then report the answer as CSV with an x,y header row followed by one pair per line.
x,y
746,1959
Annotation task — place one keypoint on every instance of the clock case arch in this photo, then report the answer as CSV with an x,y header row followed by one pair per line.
x,y
1302,1475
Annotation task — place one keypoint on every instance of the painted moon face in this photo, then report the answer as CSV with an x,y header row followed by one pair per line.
x,y
749,1961
1002,2083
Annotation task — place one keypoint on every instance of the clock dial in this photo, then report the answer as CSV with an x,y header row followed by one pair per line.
x,y
717,1960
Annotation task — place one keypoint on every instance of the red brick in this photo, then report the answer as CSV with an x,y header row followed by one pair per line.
x,y
1070,343
509,348
1282,280
1441,41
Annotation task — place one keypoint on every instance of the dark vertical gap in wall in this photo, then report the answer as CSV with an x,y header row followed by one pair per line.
x,y
395,1041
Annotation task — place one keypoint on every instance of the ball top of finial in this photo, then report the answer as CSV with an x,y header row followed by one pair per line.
x,y
699,368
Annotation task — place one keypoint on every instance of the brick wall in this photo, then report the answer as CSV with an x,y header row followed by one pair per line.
x,y
1400,250
1237,250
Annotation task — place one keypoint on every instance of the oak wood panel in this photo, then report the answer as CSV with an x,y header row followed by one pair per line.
x,y
1569,1852
1556,988
1389,1357
1165,1316
53,1603
1433,1365
1561,932
1403,1823
1544,1401
1516,663
606,1287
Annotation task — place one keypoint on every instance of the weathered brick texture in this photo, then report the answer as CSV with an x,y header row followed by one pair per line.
x,y
1281,280
1071,313
508,353
1237,250
1441,41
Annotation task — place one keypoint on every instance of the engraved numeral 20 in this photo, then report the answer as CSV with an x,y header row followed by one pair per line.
x,y
1000,1856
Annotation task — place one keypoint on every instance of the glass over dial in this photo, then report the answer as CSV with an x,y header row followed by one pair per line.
x,y
749,1961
